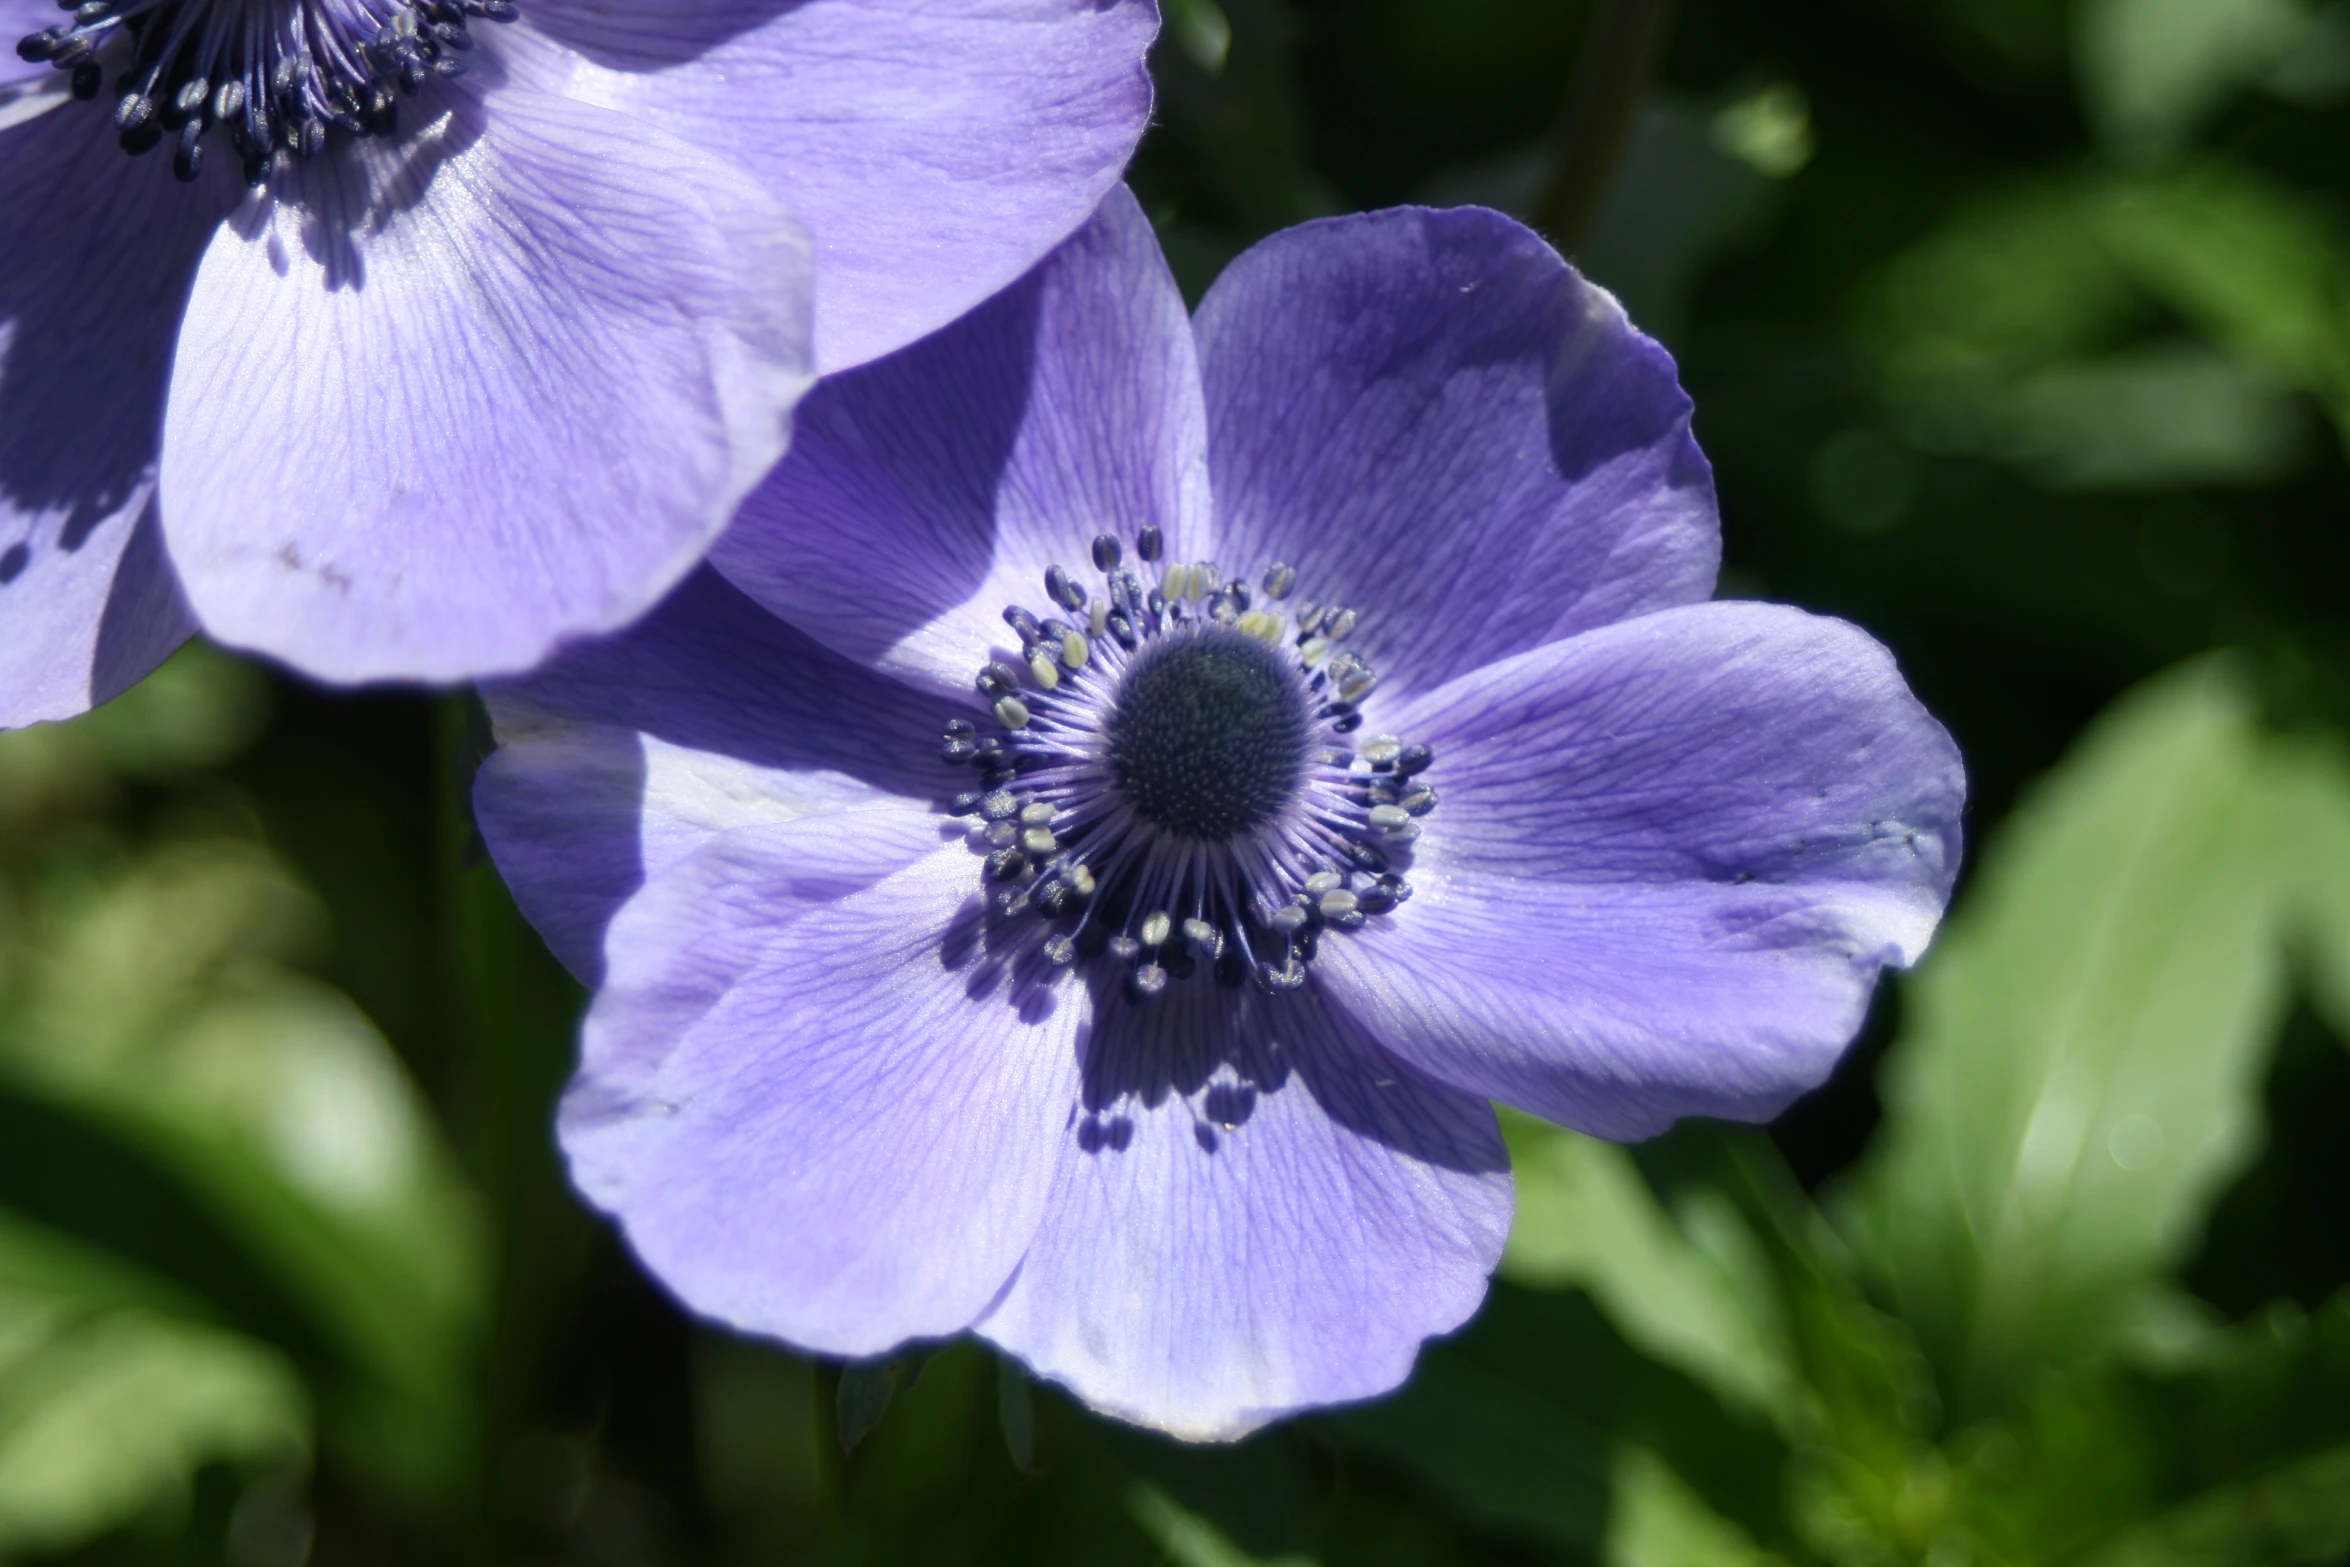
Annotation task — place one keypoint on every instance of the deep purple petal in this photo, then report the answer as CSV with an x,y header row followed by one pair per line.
x,y
924,493
1442,427
934,151
93,271
623,755
817,1116
1259,1210
499,386
1670,858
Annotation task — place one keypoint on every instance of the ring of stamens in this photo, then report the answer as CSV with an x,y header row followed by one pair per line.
x,y
1170,780
274,75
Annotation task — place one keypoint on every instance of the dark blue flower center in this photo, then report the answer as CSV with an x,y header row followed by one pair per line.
x,y
1171,782
272,76
1209,735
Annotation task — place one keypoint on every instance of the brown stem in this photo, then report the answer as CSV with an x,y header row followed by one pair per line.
x,y
1610,75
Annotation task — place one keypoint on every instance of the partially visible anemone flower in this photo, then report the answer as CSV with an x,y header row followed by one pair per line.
x,y
465,325
1130,791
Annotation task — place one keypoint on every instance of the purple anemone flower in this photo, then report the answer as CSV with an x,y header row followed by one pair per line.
x,y
465,325
1336,737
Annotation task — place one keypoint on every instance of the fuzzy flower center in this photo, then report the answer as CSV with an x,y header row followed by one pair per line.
x,y
273,77
1170,784
1208,736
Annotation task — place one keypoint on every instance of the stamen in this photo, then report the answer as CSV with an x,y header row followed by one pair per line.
x,y
273,76
1170,785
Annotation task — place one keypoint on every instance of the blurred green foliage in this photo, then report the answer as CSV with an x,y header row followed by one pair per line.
x,y
2019,331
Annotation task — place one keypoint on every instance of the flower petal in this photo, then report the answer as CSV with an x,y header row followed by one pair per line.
x,y
477,391
623,755
20,19
92,277
934,151
1442,427
1670,859
924,493
829,1118
1259,1210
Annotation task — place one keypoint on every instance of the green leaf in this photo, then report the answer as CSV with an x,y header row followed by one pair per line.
x,y
2151,69
1504,1455
2257,267
1190,1540
2297,1513
2315,783
2079,1073
108,1408
1016,1413
866,1389
1656,1520
158,1007
1587,1219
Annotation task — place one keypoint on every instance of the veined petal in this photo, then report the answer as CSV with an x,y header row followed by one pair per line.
x,y
93,274
1671,859
624,754
1258,1210
935,151
822,1114
924,493
478,390
1442,426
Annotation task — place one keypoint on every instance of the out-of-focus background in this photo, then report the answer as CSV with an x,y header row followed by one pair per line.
x,y
2019,333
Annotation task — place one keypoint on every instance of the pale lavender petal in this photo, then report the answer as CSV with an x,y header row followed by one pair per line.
x,y
1669,861
1257,1210
94,270
1445,429
935,151
30,97
926,492
20,19
625,754
500,388
829,1118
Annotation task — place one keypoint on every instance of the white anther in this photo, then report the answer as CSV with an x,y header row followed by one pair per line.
x,y
1039,840
999,805
1043,670
1011,712
1081,880
1061,950
1402,835
1204,938
1358,685
1321,882
1388,818
1156,927
1311,650
1340,625
1074,649
1382,748
1337,902
1097,615
1174,580
1001,834
1036,813
1198,578
1290,918
1264,625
